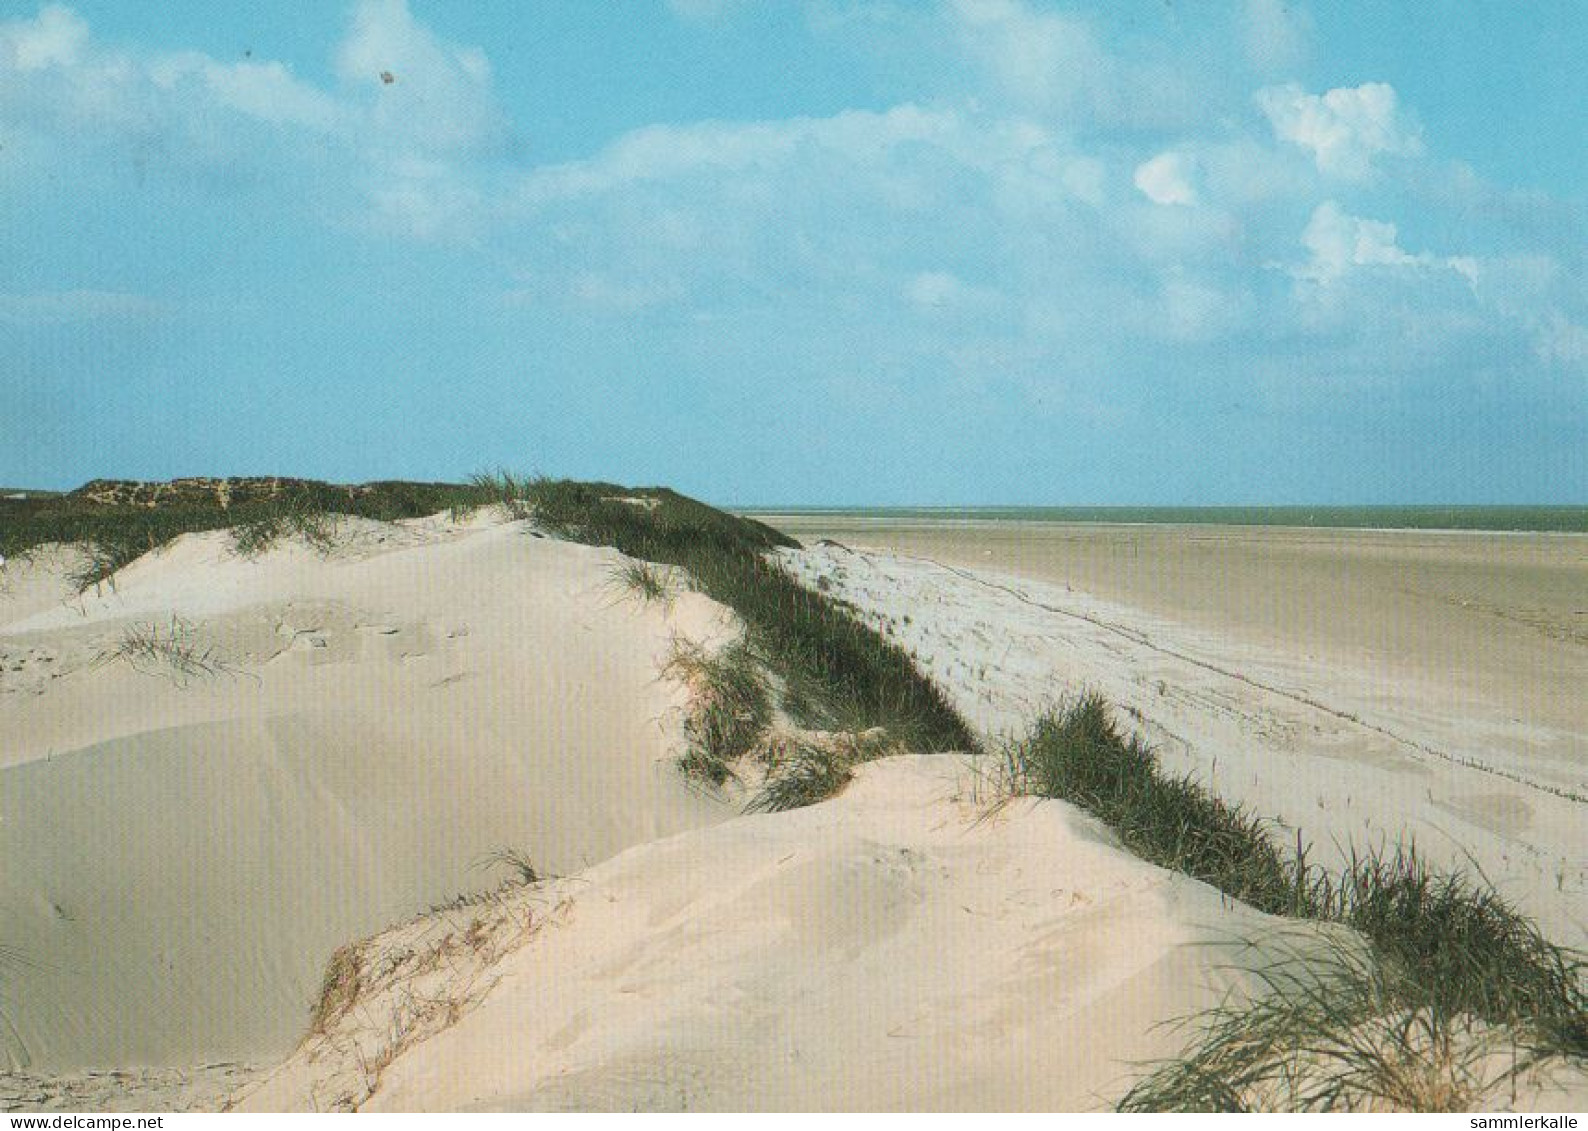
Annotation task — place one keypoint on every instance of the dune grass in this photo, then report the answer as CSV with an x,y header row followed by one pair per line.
x,y
173,652
1336,1028
835,673
300,516
114,536
729,707
1446,960
650,584
803,770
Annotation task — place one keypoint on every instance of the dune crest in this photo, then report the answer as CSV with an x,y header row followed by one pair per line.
x,y
359,731
893,948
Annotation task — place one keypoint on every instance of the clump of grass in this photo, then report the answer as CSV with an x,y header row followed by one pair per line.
x,y
805,769
173,652
257,529
517,862
1446,960
114,535
729,707
501,488
340,987
645,581
1079,755
1336,1028
837,674
107,554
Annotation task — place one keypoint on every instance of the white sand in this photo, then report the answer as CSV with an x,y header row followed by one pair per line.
x,y
885,950
180,857
1344,757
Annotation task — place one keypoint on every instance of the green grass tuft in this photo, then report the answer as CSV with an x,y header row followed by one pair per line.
x,y
258,528
729,707
1079,755
805,769
651,584
172,652
1337,1028
1446,961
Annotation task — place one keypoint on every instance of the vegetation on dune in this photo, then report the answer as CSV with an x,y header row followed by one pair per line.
x,y
645,581
115,535
172,651
301,517
804,769
1449,968
729,707
834,672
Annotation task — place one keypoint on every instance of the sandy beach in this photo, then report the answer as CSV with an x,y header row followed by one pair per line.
x,y
1357,685
255,869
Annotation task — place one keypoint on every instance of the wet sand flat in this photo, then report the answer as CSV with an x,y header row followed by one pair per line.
x,y
1495,620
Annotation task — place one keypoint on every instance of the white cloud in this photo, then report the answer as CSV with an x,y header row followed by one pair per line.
x,y
1344,129
1020,154
427,93
396,144
1166,179
55,38
51,308
1044,57
1340,242
1276,34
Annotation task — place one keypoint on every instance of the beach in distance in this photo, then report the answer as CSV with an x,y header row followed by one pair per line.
x,y
1446,666
1497,617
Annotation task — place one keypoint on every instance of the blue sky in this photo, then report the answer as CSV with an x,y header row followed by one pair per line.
x,y
842,251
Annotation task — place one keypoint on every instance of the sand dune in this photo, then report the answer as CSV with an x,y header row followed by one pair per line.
x,y
354,733
1340,753
182,853
891,949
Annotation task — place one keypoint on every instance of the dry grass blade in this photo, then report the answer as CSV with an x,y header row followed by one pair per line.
x,y
172,652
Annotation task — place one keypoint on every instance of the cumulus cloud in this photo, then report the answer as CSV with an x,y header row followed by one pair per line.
x,y
1344,129
55,38
1166,179
860,227
1340,242
428,94
394,139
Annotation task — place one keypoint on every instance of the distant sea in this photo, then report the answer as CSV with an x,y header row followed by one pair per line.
x,y
1553,519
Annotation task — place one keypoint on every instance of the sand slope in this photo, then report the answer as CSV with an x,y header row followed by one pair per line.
x,y
182,854
1347,757
884,950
